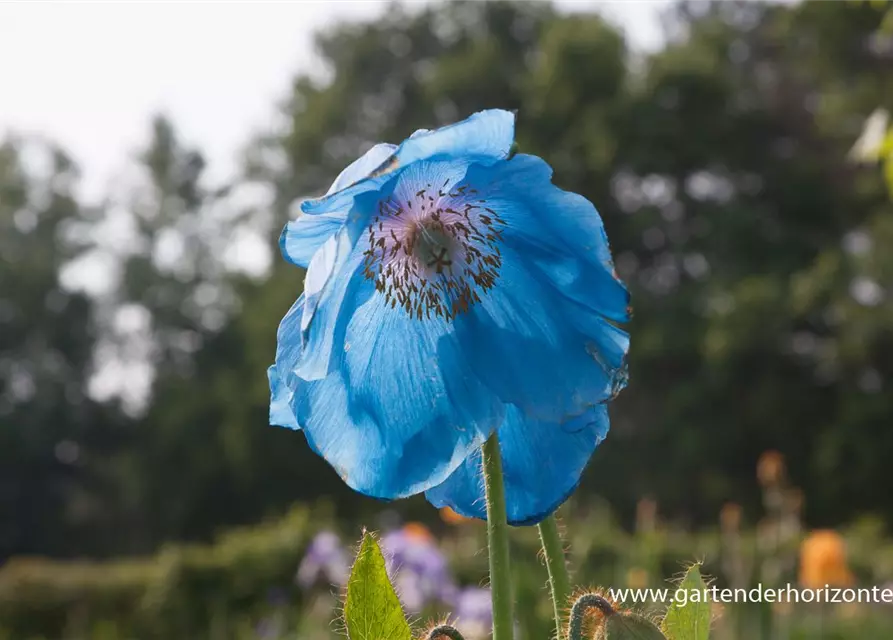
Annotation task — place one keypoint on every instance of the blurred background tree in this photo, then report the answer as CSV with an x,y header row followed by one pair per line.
x,y
757,256
47,421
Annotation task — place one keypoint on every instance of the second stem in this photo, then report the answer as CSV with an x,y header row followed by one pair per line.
x,y
559,580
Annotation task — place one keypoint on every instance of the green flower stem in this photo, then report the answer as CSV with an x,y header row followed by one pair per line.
x,y
498,542
559,580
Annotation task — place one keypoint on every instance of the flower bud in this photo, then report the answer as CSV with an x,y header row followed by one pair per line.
x,y
610,623
626,625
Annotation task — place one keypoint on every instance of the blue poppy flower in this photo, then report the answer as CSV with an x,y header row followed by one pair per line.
x,y
452,291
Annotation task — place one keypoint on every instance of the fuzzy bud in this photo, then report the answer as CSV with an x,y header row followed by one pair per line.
x,y
626,625
610,622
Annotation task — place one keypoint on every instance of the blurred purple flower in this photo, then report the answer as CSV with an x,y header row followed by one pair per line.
x,y
277,597
473,613
325,561
269,628
417,567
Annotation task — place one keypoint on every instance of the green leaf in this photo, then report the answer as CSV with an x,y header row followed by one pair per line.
x,y
888,173
689,618
371,609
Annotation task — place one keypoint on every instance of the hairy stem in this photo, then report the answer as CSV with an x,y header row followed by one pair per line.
x,y
559,580
498,541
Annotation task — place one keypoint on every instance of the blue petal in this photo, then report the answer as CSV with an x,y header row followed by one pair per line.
x,y
487,134
560,234
542,337
341,201
289,350
301,238
485,137
281,414
542,465
330,276
403,411
362,167
332,280
551,358
333,274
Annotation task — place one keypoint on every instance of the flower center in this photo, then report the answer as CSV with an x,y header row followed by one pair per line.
x,y
431,245
435,251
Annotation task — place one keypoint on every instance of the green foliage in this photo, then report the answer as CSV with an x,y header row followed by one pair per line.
x,y
689,620
371,608
181,592
247,577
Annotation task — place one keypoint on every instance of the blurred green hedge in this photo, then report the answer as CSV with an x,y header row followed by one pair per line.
x,y
182,592
230,589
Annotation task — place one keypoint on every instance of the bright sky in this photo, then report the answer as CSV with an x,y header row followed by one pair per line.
x,y
90,75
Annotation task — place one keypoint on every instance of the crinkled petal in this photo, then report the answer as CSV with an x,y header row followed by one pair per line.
x,y
341,201
487,134
363,166
542,465
289,348
330,277
550,358
289,351
403,410
281,414
542,337
301,238
560,234
485,137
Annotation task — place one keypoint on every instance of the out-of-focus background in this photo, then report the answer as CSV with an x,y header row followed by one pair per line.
x,y
151,154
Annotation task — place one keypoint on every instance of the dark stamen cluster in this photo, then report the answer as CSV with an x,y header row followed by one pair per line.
x,y
434,254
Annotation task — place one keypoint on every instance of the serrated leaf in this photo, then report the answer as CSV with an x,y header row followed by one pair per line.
x,y
371,609
689,618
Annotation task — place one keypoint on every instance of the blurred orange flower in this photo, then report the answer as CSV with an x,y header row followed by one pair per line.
x,y
730,517
451,517
417,531
770,468
823,560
